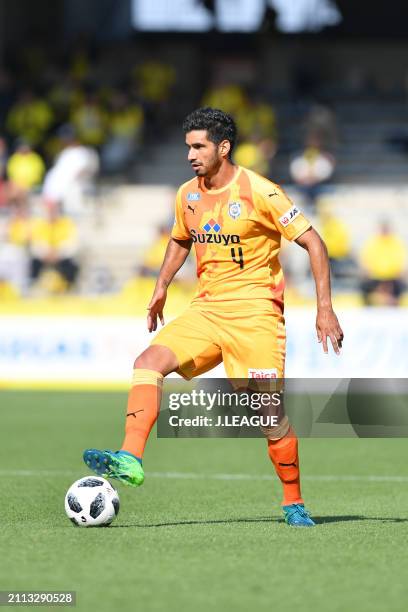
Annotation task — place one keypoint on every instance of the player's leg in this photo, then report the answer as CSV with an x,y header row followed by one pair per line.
x,y
283,452
145,396
166,354
255,347
142,410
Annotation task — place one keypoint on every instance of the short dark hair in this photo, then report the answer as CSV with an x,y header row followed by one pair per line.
x,y
219,125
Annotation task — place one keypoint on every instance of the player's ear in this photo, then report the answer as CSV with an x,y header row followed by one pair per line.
x,y
224,148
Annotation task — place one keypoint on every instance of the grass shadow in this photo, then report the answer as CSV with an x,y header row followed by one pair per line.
x,y
351,517
320,520
204,522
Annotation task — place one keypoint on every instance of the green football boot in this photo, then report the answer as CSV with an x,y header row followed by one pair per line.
x,y
121,465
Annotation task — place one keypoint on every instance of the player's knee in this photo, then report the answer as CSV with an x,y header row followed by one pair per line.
x,y
279,431
158,359
144,361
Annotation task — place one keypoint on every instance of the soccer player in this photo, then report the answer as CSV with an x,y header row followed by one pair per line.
x,y
236,219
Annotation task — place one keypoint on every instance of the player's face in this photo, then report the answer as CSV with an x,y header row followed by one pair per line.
x,y
204,156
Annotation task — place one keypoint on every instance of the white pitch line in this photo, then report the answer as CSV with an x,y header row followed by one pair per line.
x,y
328,477
219,476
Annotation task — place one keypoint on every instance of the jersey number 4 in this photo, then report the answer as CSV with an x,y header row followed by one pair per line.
x,y
239,261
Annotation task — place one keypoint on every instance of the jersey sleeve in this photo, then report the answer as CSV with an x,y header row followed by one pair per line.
x,y
279,213
180,230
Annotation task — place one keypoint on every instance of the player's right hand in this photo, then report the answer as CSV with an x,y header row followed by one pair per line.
x,y
155,308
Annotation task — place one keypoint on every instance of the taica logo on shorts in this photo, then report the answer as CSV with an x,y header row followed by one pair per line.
x,y
262,373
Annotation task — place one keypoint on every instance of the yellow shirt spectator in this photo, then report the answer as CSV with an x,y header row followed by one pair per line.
x,y
155,80
229,98
154,256
91,123
383,257
256,120
58,235
126,122
251,156
19,231
336,235
30,118
25,169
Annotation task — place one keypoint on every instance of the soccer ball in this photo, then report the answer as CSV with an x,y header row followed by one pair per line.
x,y
91,502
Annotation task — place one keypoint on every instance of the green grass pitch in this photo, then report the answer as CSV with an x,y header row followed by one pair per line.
x,y
194,537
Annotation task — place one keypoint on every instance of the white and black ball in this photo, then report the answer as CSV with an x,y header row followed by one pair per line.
x,y
91,502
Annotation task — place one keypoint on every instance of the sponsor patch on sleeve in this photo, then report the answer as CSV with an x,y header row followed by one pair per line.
x,y
289,216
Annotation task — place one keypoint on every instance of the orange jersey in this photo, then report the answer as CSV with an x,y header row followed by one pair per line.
x,y
236,231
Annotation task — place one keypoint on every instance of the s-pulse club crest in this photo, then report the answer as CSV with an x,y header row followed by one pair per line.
x,y
234,209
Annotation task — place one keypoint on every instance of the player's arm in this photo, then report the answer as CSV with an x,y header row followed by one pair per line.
x,y
176,254
327,324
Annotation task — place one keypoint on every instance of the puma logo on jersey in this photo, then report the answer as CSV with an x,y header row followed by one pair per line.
x,y
289,216
273,194
191,208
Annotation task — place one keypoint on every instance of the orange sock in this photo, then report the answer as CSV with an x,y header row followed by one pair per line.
x,y
142,409
285,458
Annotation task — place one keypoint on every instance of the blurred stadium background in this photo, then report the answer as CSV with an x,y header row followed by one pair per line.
x,y
92,95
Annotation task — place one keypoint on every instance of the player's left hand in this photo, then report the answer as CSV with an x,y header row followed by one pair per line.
x,y
327,326
156,306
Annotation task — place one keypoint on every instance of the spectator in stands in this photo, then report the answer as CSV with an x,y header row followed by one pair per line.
x,y
336,234
250,154
54,246
156,79
256,119
126,121
29,118
65,96
321,125
228,97
90,121
311,169
72,174
14,260
154,256
19,225
383,259
25,168
257,127
81,55
3,166
153,260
